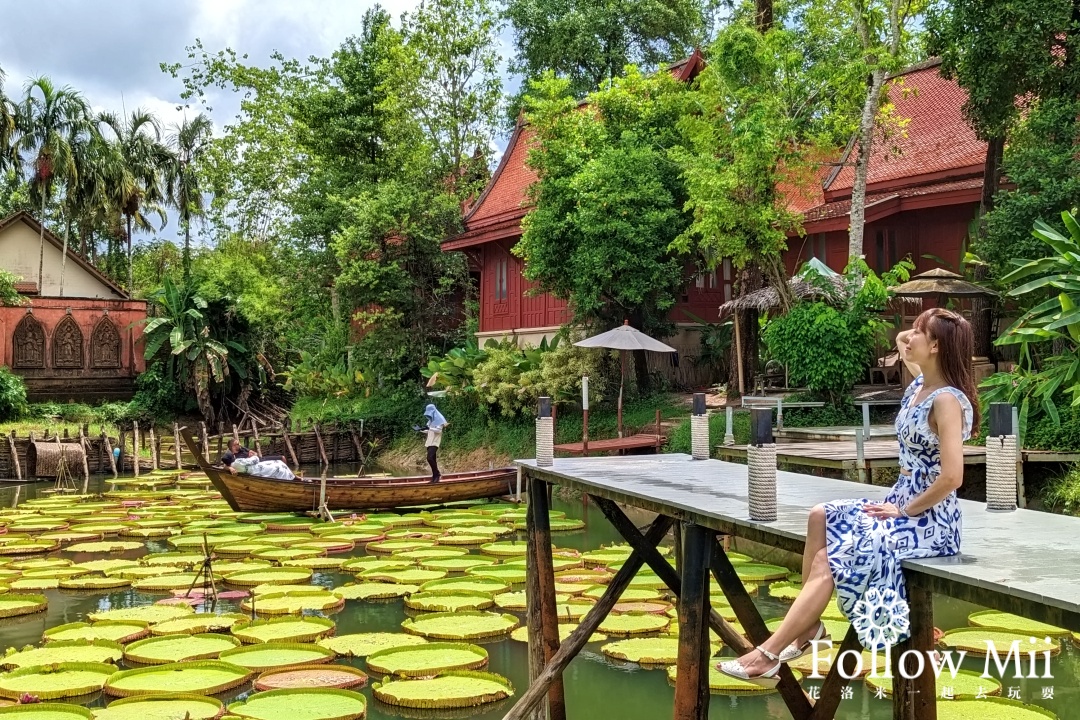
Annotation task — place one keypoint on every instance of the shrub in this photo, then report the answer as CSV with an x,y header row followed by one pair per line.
x,y
12,394
1063,493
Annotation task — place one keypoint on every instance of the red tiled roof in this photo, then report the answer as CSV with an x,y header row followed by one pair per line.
x,y
937,140
964,189
509,186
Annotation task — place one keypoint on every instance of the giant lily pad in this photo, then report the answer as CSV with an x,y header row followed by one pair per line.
x,y
371,562
456,689
460,563
644,651
315,563
49,682
40,564
269,576
28,547
521,634
201,677
1015,623
633,624
392,546
302,704
472,584
288,629
427,660
172,558
195,542
179,648
977,641
446,601
138,572
94,582
116,631
104,546
628,595
460,625
292,603
373,590
512,574
33,584
311,676
991,709
412,576
287,553
162,707
96,651
758,572
146,613
966,684
518,601
270,656
12,604
165,583
430,553
197,623
243,547
44,711
505,548
363,644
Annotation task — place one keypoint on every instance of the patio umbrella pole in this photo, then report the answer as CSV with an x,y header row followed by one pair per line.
x,y
622,379
738,355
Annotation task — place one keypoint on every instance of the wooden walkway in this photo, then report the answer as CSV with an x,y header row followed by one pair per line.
x,y
1022,562
632,442
842,455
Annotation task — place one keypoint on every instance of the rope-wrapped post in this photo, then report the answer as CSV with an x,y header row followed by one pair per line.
x,y
699,429
1001,460
545,434
729,425
761,462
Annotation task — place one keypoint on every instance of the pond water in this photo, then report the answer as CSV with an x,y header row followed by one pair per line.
x,y
596,686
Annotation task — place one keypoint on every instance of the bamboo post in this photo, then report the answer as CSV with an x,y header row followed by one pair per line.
x,y
101,454
255,436
153,448
204,441
14,456
108,452
85,443
692,674
319,442
135,447
177,452
356,445
289,447
584,417
658,430
916,699
543,617
121,442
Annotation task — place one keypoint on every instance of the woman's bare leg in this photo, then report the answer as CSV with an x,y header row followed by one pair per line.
x,y
801,618
815,538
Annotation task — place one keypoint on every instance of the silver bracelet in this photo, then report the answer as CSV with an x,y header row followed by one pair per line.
x,y
903,511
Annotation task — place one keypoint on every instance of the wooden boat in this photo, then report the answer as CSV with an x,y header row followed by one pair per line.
x,y
248,493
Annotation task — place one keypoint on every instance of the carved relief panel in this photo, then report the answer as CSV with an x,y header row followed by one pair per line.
x,y
29,344
105,345
67,345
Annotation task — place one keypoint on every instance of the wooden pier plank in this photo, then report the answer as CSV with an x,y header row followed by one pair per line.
x,y
632,442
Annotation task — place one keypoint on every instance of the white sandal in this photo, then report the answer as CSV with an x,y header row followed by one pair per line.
x,y
768,679
794,652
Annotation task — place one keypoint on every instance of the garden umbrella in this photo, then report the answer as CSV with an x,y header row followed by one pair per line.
x,y
941,283
624,338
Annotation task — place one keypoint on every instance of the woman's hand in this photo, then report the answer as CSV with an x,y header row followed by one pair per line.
x,y
881,511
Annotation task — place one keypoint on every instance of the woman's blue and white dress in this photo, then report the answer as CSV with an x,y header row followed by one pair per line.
x,y
865,553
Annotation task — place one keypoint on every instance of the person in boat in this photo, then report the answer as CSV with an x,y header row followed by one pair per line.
x,y
856,547
242,461
436,423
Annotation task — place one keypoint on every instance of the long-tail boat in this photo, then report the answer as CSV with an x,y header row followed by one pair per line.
x,y
249,493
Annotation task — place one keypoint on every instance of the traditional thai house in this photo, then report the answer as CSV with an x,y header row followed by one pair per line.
x,y
923,192
77,341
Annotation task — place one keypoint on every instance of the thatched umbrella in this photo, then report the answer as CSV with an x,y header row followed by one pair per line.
x,y
624,338
941,283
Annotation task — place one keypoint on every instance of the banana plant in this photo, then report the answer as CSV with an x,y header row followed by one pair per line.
x,y
1049,333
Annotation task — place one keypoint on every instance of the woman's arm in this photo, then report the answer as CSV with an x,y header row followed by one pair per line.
x,y
902,347
947,420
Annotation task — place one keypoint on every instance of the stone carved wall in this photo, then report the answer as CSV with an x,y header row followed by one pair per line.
x,y
29,343
105,345
67,345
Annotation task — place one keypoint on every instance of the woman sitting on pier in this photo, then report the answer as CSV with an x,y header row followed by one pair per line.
x,y
856,546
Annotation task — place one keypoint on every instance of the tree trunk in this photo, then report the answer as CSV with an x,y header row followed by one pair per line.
x,y
641,373
200,378
41,246
130,282
995,148
749,280
862,164
763,10
187,253
63,262
982,307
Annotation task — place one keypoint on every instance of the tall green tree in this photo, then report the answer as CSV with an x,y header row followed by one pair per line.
x,y
190,143
9,156
590,42
609,200
51,120
136,181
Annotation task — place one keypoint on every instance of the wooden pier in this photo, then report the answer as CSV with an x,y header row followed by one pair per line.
x,y
841,455
1021,562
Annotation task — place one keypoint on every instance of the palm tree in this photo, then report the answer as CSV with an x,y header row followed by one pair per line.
x,y
137,162
189,142
50,120
9,154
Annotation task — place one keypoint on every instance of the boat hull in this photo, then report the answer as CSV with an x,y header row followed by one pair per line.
x,y
247,493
